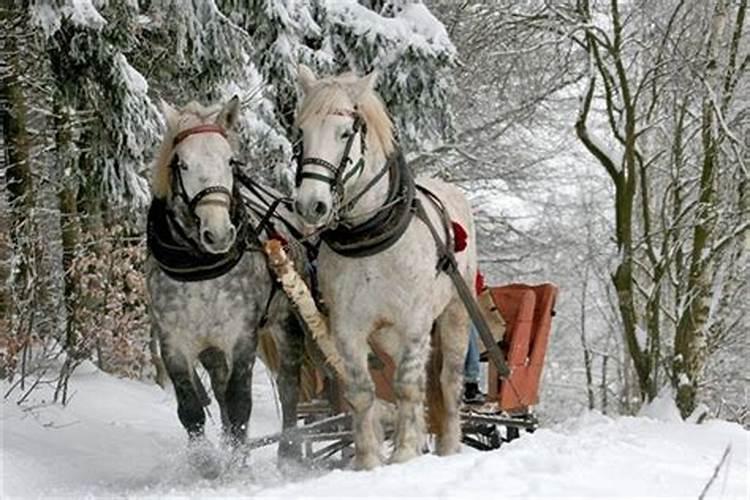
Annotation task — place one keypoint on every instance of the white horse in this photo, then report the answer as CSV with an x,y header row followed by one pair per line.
x,y
378,263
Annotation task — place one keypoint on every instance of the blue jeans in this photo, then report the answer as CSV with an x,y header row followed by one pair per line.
x,y
471,365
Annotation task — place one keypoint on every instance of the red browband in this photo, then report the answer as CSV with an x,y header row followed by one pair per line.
x,y
200,129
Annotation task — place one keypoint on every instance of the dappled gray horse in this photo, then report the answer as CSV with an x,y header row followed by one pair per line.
x,y
212,296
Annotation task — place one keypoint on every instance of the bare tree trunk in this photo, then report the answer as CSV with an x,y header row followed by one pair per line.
x,y
584,345
691,347
18,179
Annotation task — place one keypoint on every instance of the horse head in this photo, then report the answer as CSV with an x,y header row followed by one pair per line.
x,y
194,172
347,134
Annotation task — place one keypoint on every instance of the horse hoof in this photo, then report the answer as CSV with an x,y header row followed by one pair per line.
x,y
367,462
402,455
445,449
203,457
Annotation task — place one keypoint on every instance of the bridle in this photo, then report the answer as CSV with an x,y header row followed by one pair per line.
x,y
178,185
339,175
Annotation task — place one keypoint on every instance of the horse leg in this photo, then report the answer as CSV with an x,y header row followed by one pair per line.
x,y
190,410
291,352
452,330
409,388
189,407
239,397
215,363
360,394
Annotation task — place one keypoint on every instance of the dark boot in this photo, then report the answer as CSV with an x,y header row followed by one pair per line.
x,y
472,394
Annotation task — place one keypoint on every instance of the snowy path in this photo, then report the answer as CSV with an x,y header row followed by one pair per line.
x,y
122,438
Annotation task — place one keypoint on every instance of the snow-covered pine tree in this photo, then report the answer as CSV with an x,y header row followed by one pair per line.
x,y
284,33
402,40
107,63
198,52
411,49
114,124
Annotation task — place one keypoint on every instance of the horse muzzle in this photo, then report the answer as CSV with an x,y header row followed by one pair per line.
x,y
218,241
313,213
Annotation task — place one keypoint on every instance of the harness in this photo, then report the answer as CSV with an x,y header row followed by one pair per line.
x,y
385,228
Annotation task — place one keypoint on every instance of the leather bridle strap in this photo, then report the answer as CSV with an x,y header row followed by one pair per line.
x,y
321,163
338,179
200,129
198,198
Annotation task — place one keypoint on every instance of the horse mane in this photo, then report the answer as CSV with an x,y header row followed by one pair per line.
x,y
330,94
191,115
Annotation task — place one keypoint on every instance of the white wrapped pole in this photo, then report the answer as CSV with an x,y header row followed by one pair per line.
x,y
298,292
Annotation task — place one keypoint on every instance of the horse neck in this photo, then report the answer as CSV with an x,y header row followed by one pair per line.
x,y
376,196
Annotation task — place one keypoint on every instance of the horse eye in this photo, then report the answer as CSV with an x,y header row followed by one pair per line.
x,y
347,134
183,166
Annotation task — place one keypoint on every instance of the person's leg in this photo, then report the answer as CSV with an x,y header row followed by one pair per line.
x,y
471,365
472,394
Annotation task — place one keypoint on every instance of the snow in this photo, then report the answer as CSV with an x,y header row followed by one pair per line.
x,y
46,17
83,13
641,337
79,12
135,81
414,27
423,22
122,438
662,408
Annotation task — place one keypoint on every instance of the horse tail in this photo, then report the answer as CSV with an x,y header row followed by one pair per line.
x,y
310,379
435,401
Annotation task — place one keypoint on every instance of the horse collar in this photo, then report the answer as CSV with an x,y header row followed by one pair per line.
x,y
179,257
386,227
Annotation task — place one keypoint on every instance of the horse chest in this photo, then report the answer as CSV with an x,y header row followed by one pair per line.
x,y
396,286
207,313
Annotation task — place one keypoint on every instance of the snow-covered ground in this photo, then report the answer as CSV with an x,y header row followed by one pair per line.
x,y
120,438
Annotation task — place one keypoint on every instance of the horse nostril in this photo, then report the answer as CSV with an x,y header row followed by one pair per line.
x,y
208,237
320,208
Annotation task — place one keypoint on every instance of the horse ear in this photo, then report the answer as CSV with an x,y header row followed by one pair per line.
x,y
366,84
229,113
171,115
306,77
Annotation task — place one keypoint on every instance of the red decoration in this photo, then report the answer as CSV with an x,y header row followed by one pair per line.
x,y
479,283
276,236
460,237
